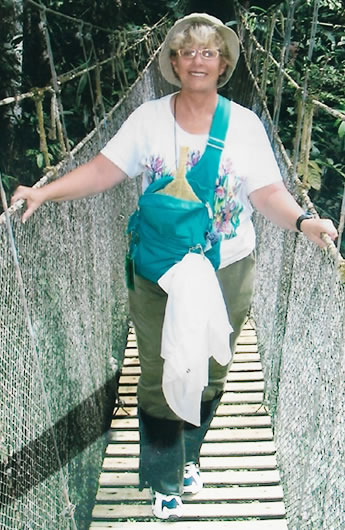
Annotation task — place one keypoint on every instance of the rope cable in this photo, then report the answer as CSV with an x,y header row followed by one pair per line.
x,y
69,508
55,79
283,60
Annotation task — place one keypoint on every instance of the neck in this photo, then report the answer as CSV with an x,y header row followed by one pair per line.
x,y
194,111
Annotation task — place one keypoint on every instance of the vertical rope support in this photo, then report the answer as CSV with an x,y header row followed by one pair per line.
x,y
69,507
52,128
56,86
283,58
99,94
42,133
306,142
305,84
82,37
268,47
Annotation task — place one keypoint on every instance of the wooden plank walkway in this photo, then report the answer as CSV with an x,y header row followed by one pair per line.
x,y
238,463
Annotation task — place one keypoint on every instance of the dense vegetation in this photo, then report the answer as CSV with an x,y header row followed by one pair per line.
x,y
25,64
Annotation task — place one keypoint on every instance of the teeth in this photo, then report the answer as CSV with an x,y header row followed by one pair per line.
x,y
199,74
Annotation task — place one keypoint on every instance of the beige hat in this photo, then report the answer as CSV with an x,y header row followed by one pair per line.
x,y
230,39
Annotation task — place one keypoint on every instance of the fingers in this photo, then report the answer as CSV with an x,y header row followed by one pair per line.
x,y
32,198
315,229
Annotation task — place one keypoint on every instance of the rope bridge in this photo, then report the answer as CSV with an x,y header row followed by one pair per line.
x,y
64,314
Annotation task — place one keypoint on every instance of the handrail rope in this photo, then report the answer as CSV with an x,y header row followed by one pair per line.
x,y
77,72
69,507
316,102
78,20
302,192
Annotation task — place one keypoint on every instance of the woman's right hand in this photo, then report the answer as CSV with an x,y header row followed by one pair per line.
x,y
33,197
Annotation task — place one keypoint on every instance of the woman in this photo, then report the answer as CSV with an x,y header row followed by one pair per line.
x,y
198,55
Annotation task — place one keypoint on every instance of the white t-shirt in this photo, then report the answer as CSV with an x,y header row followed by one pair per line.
x,y
148,144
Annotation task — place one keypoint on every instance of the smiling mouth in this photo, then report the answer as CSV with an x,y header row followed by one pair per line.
x,y
198,74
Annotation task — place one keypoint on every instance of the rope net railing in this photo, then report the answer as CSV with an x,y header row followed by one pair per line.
x,y
63,303
299,301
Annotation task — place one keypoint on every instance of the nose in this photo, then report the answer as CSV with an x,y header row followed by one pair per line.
x,y
198,58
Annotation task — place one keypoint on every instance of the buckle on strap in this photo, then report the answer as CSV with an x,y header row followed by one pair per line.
x,y
197,249
215,142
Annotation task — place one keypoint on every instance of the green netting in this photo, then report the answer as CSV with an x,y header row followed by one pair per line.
x,y
71,257
299,310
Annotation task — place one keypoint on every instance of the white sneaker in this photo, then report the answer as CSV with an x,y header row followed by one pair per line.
x,y
166,506
192,482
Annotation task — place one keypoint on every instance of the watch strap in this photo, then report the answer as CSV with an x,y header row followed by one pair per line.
x,y
305,215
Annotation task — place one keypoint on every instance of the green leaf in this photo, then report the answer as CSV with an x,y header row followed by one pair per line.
x,y
40,160
314,175
341,129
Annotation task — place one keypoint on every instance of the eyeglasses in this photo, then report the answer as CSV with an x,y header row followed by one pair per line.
x,y
191,53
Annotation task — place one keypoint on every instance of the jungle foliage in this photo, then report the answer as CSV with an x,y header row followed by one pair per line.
x,y
325,172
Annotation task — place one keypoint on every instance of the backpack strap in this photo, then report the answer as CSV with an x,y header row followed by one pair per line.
x,y
202,177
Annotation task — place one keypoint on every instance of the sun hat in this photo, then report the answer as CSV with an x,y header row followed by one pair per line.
x,y
230,39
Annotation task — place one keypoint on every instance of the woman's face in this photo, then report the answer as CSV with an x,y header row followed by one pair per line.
x,y
198,73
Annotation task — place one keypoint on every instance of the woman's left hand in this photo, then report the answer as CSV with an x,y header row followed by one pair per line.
x,y
314,228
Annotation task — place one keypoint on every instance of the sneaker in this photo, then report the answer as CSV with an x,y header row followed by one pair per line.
x,y
192,482
166,506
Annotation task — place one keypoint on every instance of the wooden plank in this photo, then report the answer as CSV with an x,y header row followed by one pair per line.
x,y
242,397
246,376
228,397
213,435
267,524
248,332
226,477
247,340
217,422
240,421
246,358
246,386
246,348
228,410
236,493
230,386
213,463
237,372
246,367
224,448
134,369
245,509
223,410
131,370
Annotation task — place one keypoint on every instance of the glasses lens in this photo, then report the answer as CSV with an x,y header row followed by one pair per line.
x,y
209,54
187,53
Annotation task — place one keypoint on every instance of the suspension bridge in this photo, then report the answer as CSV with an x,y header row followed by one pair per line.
x,y
68,430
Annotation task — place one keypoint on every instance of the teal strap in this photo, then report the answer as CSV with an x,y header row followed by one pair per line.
x,y
203,175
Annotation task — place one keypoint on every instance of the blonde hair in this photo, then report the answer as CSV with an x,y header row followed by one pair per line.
x,y
201,35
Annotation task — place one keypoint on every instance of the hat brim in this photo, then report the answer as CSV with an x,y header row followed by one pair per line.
x,y
230,39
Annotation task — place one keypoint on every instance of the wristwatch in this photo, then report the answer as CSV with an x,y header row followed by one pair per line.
x,y
305,215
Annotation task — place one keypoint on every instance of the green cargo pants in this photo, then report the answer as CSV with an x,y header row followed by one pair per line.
x,y
147,305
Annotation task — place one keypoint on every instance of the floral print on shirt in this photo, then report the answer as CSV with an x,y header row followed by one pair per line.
x,y
156,169
227,205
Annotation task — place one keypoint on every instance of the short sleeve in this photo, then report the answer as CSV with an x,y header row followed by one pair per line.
x,y
128,147
253,151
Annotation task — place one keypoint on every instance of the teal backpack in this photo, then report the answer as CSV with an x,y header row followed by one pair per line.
x,y
165,227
